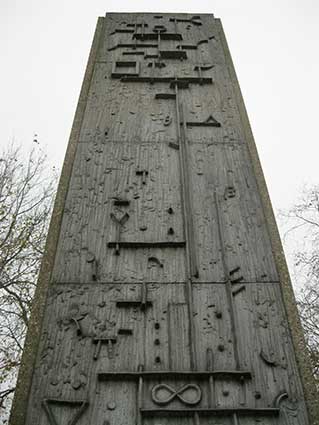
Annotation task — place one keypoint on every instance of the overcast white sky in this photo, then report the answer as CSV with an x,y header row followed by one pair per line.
x,y
45,44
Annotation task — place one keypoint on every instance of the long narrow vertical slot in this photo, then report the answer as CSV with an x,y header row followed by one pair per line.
x,y
211,387
186,211
228,292
228,282
139,420
188,197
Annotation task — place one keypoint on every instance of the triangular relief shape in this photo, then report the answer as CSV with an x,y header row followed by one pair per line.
x,y
48,402
212,121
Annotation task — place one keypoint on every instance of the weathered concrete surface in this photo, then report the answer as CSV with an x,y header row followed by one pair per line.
x,y
19,407
88,275
302,356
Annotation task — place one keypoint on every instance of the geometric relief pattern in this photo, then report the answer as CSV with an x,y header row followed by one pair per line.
x,y
77,414
165,302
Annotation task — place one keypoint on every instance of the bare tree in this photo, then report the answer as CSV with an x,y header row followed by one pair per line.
x,y
303,233
27,187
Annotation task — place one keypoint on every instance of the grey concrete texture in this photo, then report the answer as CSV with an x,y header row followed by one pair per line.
x,y
20,402
302,356
18,413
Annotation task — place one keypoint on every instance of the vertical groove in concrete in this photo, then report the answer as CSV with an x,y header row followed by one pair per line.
x,y
20,402
295,328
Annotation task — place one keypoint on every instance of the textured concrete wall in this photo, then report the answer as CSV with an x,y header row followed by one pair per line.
x,y
302,357
31,351
20,402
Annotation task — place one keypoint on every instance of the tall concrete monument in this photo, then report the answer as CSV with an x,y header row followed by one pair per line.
x,y
164,296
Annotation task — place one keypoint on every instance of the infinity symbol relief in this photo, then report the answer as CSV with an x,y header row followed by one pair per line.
x,y
190,394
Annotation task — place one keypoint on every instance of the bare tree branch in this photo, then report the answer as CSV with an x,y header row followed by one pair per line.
x,y
27,189
303,230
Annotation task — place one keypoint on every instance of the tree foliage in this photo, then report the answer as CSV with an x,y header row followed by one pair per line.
x,y
27,187
303,233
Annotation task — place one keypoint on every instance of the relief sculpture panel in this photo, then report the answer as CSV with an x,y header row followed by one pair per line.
x,y
105,345
165,304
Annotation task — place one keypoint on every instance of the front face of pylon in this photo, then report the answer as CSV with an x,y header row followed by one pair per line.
x,y
165,304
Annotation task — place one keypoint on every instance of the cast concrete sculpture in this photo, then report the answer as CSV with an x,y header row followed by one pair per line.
x,y
163,297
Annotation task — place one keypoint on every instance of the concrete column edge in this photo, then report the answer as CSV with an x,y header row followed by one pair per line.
x,y
295,328
20,403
